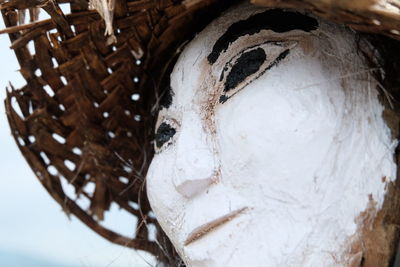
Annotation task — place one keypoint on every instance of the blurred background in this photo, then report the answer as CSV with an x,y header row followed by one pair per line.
x,y
34,231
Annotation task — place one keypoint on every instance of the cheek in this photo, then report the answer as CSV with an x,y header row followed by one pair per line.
x,y
160,190
270,133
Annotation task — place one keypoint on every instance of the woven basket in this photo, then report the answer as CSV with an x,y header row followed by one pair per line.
x,y
86,114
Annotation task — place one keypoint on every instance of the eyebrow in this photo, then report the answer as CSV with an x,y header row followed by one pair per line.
x,y
276,20
166,96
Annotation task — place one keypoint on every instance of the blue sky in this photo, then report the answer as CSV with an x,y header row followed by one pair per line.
x,y
32,226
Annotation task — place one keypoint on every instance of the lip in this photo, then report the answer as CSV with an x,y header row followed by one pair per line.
x,y
211,226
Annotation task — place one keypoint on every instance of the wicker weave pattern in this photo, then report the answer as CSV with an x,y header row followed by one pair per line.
x,y
376,16
85,113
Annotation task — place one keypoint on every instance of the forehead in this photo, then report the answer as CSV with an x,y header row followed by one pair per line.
x,y
275,20
238,28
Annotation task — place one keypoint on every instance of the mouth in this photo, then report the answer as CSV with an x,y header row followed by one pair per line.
x,y
209,227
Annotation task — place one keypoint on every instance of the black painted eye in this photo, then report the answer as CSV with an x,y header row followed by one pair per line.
x,y
250,64
164,133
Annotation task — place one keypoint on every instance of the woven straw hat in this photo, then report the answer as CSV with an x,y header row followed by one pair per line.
x,y
86,113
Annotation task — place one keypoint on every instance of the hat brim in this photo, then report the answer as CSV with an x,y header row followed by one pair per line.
x,y
382,17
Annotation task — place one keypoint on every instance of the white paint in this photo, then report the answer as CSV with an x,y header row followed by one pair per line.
x,y
297,151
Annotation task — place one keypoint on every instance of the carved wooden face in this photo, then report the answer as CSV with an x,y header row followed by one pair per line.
x,y
271,144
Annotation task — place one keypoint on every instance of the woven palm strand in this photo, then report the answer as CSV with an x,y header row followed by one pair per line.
x,y
375,16
86,114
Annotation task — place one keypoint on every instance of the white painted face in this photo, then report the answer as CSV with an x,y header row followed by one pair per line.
x,y
272,146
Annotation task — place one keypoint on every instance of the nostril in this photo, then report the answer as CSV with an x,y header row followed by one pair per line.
x,y
190,188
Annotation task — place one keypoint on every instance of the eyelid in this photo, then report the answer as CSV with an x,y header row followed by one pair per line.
x,y
274,51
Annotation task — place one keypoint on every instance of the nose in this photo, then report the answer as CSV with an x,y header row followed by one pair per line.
x,y
195,168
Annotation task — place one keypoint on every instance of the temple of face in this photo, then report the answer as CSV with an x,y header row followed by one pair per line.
x,y
264,151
